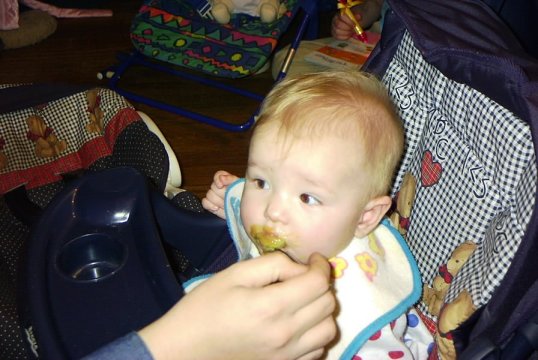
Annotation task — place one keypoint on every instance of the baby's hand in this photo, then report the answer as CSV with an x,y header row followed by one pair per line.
x,y
342,27
214,199
366,13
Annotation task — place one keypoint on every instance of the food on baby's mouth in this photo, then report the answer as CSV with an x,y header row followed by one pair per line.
x,y
265,238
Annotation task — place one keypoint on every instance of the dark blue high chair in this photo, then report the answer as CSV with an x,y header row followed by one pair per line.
x,y
96,265
304,14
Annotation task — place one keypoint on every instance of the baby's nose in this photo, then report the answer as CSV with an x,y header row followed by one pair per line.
x,y
275,210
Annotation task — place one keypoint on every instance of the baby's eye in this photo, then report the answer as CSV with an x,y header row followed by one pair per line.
x,y
309,199
261,184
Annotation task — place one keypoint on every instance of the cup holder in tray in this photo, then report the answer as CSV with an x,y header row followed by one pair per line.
x,y
91,257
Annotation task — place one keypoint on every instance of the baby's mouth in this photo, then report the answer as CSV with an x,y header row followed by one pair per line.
x,y
266,239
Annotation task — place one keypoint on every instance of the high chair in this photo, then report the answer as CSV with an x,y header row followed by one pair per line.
x,y
467,94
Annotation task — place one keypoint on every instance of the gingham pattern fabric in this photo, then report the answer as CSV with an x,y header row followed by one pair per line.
x,y
475,169
67,119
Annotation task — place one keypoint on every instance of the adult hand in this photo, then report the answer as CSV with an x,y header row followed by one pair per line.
x,y
214,199
265,308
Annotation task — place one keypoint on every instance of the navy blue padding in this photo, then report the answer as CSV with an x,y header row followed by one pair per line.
x,y
201,237
520,16
26,96
94,267
469,44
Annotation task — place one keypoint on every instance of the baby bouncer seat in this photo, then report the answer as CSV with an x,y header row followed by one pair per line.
x,y
188,44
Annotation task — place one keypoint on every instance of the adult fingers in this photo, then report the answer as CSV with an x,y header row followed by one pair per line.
x,y
300,290
316,340
315,312
316,354
264,270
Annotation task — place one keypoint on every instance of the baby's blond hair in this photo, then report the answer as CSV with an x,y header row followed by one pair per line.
x,y
347,104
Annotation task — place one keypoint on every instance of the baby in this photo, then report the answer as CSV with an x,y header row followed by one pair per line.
x,y
321,161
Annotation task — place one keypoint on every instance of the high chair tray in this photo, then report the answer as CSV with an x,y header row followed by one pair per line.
x,y
95,267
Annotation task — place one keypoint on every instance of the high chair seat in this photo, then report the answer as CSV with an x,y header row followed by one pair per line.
x,y
467,94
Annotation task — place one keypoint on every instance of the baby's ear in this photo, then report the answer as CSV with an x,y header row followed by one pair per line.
x,y
372,215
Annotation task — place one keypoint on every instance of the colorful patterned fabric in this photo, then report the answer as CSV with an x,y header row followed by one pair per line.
x,y
174,32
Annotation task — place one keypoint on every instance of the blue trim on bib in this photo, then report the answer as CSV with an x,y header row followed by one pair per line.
x,y
200,278
233,218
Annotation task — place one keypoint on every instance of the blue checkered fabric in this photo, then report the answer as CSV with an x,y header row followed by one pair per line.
x,y
475,168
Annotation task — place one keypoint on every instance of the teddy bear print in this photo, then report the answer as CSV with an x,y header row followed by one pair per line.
x,y
46,143
451,316
94,111
434,296
404,204
3,157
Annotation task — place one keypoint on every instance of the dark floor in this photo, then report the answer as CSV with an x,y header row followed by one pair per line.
x,y
82,47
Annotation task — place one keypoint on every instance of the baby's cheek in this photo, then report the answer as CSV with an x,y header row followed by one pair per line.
x,y
247,217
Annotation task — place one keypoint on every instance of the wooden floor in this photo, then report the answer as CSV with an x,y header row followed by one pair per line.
x,y
80,48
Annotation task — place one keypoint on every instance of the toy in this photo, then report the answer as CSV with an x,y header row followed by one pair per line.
x,y
345,10
46,143
434,296
452,315
267,10
404,204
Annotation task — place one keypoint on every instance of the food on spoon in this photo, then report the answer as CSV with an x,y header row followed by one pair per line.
x,y
266,239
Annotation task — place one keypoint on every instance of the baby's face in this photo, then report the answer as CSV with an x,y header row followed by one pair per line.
x,y
302,198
